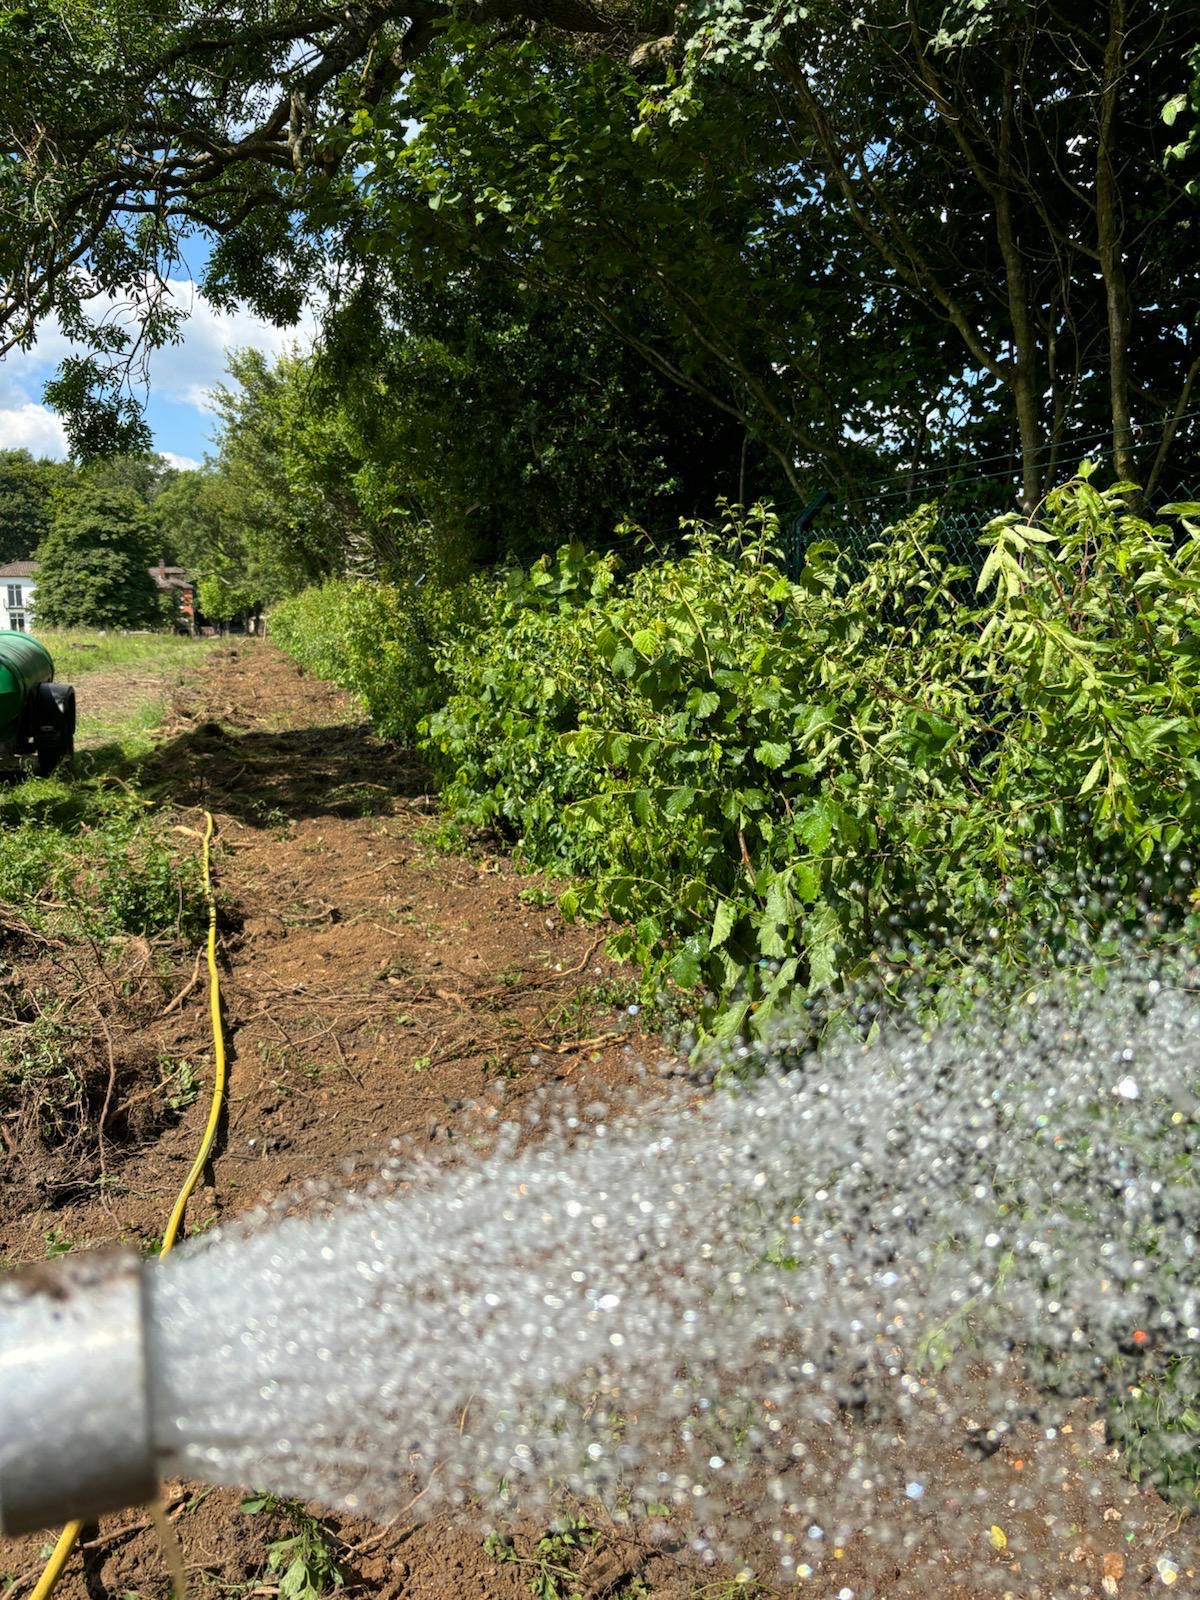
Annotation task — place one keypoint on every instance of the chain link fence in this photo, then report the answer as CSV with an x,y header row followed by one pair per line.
x,y
958,532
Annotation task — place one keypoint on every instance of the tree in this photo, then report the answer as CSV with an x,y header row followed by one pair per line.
x,y
875,234
95,563
145,474
494,423
224,600
26,487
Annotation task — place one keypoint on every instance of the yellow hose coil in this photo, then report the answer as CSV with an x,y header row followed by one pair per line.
x,y
70,1534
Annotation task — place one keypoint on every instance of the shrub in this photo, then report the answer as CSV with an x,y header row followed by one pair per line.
x,y
377,640
777,785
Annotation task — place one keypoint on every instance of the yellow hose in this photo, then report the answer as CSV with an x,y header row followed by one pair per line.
x,y
70,1534
175,1221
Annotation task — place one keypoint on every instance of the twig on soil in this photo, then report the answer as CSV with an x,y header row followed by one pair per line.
x,y
577,1044
185,991
592,948
337,1045
108,1094
396,861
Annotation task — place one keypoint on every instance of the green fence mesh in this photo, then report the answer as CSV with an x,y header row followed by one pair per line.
x,y
958,532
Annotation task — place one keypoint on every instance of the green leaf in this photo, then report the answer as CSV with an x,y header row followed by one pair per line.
x,y
722,925
702,703
1095,773
772,753
731,1021
821,932
686,966
815,827
680,803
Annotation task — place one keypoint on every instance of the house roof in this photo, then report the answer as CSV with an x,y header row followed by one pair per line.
x,y
170,577
19,569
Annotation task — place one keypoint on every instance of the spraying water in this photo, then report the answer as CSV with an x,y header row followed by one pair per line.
x,y
752,1314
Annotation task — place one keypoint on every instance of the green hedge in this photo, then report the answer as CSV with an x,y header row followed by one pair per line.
x,y
377,640
776,786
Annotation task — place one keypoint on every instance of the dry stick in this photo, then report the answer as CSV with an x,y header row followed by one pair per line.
x,y
578,1044
108,1094
185,991
337,1045
397,861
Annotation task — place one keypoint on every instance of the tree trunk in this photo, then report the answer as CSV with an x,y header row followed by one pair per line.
x,y
1108,237
1023,376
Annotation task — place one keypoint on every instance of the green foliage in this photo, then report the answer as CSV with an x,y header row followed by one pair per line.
x,y
377,640
798,215
486,417
87,858
95,562
774,785
26,487
222,599
39,1079
550,1575
303,1560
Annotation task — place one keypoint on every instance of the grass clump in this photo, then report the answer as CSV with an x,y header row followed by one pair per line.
x,y
80,651
92,858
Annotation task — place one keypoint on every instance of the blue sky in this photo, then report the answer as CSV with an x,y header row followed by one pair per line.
x,y
180,377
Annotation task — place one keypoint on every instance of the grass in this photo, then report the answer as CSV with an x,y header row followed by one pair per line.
x,y
78,651
126,734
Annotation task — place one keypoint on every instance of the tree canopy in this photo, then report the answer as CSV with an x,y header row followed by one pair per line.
x,y
95,561
26,487
875,236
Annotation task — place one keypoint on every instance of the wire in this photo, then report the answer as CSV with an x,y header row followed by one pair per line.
x,y
68,1538
884,488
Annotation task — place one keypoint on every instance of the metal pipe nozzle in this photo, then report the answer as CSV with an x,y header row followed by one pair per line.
x,y
75,1437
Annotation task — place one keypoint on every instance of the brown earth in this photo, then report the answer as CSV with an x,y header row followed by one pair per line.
x,y
376,986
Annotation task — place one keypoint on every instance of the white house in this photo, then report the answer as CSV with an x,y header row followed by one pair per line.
x,y
18,580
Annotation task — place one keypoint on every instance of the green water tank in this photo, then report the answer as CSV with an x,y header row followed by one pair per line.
x,y
24,663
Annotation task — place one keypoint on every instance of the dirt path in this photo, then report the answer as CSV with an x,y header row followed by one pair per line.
x,y
375,987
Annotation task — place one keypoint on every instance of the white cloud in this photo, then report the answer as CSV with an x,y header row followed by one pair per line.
x,y
180,463
187,371
32,427
184,373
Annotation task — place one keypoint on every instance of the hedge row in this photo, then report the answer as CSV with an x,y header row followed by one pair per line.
x,y
777,786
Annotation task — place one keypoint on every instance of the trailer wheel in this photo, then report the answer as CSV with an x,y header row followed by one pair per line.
x,y
53,726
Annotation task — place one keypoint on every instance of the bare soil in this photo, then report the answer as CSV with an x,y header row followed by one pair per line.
x,y
376,986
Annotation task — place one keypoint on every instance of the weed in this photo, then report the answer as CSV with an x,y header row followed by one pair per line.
x,y
179,1081
38,1080
536,894
550,1576
57,1243
304,1559
1156,1423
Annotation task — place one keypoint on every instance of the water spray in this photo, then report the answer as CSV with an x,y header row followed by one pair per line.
x,y
758,1314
